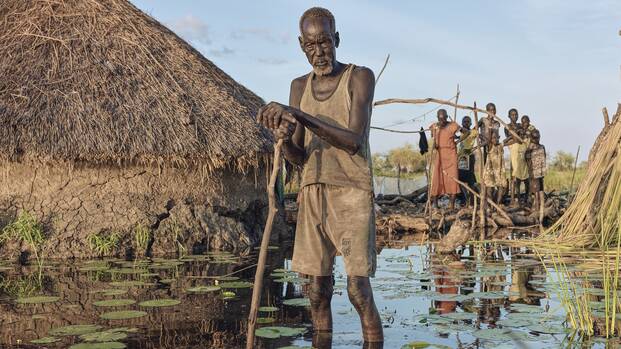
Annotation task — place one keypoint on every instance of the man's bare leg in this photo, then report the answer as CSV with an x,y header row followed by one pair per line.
x,y
452,202
322,340
320,295
361,297
499,195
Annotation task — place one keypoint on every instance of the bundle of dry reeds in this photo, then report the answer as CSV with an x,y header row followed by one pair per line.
x,y
594,216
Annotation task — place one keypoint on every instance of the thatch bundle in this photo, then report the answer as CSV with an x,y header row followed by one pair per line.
x,y
594,217
99,81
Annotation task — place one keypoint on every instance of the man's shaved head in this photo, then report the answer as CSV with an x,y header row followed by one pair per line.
x,y
318,12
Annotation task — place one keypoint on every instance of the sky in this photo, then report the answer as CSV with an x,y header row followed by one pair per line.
x,y
554,60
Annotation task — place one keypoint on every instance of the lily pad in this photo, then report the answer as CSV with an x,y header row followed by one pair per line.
x,y
114,303
165,302
236,284
111,292
493,334
128,283
547,328
460,316
416,345
228,294
512,322
203,289
293,280
277,331
526,308
37,299
122,315
297,302
268,309
227,278
103,345
74,330
265,320
105,336
45,340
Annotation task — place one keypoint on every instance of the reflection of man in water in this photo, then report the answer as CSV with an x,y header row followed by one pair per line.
x,y
326,130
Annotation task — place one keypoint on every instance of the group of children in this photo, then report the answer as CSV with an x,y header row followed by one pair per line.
x,y
455,158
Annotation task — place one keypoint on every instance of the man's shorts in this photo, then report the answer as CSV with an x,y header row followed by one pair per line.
x,y
334,219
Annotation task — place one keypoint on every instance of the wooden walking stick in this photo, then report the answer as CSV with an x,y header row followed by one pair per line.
x,y
481,176
265,240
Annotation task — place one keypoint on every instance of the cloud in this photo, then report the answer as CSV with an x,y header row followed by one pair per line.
x,y
224,51
261,33
272,61
192,28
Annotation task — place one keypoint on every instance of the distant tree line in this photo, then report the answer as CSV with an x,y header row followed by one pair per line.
x,y
407,161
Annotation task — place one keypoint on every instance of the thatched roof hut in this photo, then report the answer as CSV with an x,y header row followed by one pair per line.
x,y
97,91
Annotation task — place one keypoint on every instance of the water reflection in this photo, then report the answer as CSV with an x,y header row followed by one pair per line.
x,y
448,300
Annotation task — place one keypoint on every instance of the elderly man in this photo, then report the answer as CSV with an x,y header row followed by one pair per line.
x,y
326,130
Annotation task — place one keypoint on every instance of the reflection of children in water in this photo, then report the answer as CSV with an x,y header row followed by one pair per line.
x,y
445,268
521,291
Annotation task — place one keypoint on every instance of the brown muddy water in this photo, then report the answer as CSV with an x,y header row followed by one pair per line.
x,y
499,298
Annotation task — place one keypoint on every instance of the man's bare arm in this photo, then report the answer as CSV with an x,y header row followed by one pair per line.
x,y
293,149
351,138
347,138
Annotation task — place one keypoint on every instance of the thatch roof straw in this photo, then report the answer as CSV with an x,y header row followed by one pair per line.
x,y
99,81
594,217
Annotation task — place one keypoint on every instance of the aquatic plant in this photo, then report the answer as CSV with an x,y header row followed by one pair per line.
x,y
26,229
103,244
576,293
176,232
160,303
123,315
142,236
277,331
37,300
23,286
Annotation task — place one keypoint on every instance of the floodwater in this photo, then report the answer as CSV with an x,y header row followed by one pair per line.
x,y
496,298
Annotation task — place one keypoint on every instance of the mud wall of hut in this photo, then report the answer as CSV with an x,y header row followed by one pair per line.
x,y
178,207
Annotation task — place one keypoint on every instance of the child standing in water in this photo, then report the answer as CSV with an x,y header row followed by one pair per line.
x,y
495,169
536,159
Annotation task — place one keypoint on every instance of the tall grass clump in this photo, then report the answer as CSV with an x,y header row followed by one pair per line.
x,y
26,229
142,236
103,244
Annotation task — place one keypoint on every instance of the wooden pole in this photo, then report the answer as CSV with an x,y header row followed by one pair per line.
x,y
481,177
606,117
490,201
573,175
382,70
265,240
440,101
456,101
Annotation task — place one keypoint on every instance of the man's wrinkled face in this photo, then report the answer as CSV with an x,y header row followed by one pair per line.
x,y
466,122
513,116
319,44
